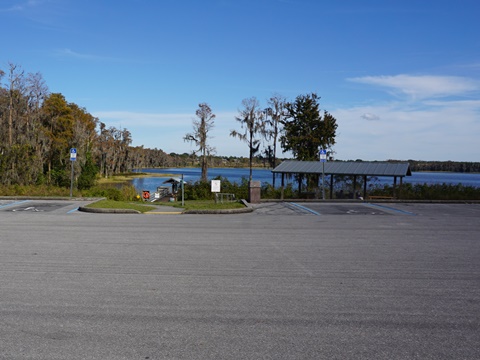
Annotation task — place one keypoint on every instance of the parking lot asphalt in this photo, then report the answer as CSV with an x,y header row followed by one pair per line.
x,y
31,206
287,281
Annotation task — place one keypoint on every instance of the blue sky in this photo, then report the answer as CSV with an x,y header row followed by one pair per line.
x,y
401,77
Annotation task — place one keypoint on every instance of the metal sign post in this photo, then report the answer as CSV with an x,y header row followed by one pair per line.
x,y
323,159
183,192
73,157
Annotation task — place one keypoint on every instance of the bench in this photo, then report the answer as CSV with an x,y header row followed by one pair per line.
x,y
224,197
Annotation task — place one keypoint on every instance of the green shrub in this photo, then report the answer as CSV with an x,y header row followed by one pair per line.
x,y
430,191
268,192
88,175
128,192
33,190
60,178
197,191
202,190
123,193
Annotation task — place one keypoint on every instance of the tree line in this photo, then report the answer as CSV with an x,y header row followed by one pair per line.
x,y
38,128
299,126
439,166
450,166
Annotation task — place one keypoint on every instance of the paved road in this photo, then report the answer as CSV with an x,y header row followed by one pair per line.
x,y
316,281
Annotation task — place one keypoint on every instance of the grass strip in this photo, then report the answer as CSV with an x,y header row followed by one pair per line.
x,y
112,204
189,205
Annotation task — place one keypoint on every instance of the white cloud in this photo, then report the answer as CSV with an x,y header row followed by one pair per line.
x,y
434,129
71,54
466,104
68,53
370,117
166,131
444,131
126,119
422,87
436,121
23,5
12,8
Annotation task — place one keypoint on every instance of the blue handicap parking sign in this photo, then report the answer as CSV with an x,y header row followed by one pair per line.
x,y
323,155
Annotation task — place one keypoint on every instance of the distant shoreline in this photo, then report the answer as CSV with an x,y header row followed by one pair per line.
x,y
124,178
270,168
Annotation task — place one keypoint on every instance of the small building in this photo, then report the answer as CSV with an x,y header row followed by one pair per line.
x,y
364,169
175,183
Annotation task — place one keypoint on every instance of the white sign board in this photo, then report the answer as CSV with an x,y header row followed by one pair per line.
x,y
73,154
215,186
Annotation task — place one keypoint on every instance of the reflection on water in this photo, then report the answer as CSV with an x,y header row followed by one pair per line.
x,y
139,184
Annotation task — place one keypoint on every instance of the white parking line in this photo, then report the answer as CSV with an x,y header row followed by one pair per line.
x,y
391,209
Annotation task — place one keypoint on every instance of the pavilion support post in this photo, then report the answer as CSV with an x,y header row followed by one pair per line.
x,y
354,186
331,186
400,188
300,179
365,187
394,186
282,191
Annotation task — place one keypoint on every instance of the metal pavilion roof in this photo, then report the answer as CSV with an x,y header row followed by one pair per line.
x,y
363,168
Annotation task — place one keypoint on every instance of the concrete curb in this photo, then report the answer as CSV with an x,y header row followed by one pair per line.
x,y
63,198
340,201
108,211
163,213
248,209
217,212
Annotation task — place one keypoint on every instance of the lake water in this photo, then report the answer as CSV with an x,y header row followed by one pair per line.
x,y
265,176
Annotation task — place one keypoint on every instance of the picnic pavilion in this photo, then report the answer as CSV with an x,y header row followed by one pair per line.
x,y
355,169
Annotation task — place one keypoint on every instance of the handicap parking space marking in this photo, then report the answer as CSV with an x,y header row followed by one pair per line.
x,y
29,208
357,209
13,203
39,207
